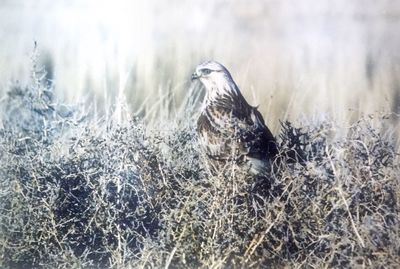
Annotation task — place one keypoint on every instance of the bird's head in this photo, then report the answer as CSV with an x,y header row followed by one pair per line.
x,y
218,84
212,75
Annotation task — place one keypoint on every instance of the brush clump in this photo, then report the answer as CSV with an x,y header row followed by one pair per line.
x,y
83,193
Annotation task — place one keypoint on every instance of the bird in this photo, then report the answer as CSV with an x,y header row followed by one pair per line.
x,y
229,129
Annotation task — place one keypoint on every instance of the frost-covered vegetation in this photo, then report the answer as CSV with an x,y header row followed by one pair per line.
x,y
82,192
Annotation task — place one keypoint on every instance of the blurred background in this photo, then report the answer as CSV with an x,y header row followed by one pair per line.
x,y
292,58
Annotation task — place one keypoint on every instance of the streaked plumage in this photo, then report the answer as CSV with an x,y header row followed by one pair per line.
x,y
231,130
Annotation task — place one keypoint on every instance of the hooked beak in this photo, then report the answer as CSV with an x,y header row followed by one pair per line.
x,y
195,76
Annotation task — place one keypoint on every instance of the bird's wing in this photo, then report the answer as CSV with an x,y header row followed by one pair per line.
x,y
228,134
254,137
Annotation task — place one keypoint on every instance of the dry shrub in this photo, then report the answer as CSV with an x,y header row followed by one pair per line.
x,y
83,193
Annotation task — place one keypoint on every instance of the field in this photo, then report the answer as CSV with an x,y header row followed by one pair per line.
x,y
99,160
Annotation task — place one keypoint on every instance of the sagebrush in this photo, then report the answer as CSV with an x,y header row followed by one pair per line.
x,y
82,192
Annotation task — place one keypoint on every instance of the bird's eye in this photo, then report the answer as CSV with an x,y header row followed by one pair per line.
x,y
206,71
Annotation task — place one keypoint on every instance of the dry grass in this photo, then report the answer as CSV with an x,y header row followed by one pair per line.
x,y
82,192
292,58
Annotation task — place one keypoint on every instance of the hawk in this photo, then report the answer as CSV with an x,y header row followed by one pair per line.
x,y
230,130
